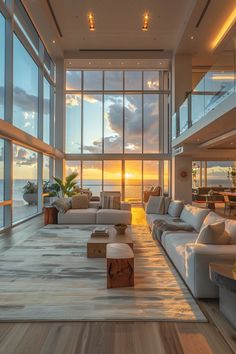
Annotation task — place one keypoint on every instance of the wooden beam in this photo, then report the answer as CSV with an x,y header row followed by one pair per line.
x,y
17,136
6,202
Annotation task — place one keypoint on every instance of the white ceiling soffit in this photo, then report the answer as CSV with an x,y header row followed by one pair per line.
x,y
118,26
205,22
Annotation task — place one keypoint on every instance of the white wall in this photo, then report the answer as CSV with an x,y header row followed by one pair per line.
x,y
182,186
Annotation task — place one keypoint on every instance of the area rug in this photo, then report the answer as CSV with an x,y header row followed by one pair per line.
x,y
48,277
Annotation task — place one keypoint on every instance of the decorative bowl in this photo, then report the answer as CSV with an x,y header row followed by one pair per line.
x,y
120,228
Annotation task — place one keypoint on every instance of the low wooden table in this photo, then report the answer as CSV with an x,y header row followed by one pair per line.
x,y
50,215
224,276
120,265
96,246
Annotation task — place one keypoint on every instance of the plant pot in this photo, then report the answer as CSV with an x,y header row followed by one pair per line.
x,y
49,200
31,198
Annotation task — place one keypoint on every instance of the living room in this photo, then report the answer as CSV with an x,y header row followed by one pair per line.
x,y
117,177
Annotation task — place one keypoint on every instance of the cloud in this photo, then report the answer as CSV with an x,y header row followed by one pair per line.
x,y
23,157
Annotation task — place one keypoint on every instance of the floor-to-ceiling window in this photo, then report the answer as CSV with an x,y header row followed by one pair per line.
x,y
1,181
2,64
27,90
119,113
25,183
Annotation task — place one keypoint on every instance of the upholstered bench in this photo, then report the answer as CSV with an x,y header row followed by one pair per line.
x,y
120,265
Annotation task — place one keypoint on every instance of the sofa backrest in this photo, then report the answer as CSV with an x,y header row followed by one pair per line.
x,y
175,208
194,216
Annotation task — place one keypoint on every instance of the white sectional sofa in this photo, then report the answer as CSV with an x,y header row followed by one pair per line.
x,y
192,260
94,215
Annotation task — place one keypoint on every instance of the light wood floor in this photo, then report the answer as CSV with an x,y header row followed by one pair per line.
x,y
217,336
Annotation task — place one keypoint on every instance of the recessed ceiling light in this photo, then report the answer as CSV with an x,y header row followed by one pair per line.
x,y
192,37
91,22
109,63
160,63
138,63
145,21
231,143
70,63
122,63
89,62
54,41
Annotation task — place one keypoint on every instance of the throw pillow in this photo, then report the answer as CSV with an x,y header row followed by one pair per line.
x,y
175,208
230,227
167,203
155,205
214,234
80,201
62,205
110,202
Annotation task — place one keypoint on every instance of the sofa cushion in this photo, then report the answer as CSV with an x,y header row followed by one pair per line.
x,y
110,202
175,208
167,201
62,204
94,204
174,244
78,216
155,205
230,228
80,201
112,216
214,234
194,216
152,217
211,218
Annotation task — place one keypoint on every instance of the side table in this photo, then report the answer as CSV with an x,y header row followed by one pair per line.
x,y
224,276
50,215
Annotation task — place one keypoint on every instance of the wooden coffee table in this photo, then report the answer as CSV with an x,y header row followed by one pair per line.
x,y
96,246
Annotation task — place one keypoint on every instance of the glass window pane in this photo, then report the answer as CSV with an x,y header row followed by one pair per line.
x,y
151,123
74,166
113,80
46,111
133,181
150,174
218,174
25,183
26,25
92,123
1,169
133,123
2,65
1,217
73,80
113,123
92,176
112,175
46,168
73,123
25,90
151,80
166,176
92,80
133,80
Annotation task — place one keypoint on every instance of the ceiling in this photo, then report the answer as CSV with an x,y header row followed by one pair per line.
x,y
175,26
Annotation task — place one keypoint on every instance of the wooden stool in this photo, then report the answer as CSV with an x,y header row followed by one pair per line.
x,y
50,215
120,265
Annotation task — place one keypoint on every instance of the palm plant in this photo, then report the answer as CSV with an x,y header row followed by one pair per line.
x,y
67,187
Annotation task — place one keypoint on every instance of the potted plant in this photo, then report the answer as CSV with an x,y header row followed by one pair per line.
x,y
66,189
52,190
232,175
30,193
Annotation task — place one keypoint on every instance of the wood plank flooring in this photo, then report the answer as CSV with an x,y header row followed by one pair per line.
x,y
217,336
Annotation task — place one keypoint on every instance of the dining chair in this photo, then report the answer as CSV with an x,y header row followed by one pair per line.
x,y
228,204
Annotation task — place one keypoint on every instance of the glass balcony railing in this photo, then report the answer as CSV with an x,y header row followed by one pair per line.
x,y
214,87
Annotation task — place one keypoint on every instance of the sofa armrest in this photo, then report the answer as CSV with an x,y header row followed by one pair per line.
x,y
125,206
197,260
